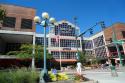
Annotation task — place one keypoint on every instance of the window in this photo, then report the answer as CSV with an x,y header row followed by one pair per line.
x,y
69,43
87,44
123,34
99,41
64,55
101,52
9,22
40,41
26,24
65,30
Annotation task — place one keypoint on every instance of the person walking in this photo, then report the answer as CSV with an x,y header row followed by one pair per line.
x,y
113,71
78,68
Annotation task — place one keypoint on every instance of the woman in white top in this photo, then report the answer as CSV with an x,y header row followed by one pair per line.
x,y
78,68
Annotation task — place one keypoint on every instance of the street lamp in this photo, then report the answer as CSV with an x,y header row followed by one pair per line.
x,y
116,42
45,22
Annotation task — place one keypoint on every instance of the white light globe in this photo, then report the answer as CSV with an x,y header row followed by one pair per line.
x,y
45,15
36,19
52,20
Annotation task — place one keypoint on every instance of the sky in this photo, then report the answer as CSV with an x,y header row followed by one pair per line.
x,y
88,12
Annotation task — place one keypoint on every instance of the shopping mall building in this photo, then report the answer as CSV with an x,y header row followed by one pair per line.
x,y
101,44
18,28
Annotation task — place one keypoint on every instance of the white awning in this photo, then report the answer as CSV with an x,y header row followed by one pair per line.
x,y
118,59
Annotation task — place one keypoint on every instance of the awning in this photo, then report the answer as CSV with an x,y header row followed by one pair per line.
x,y
118,59
64,60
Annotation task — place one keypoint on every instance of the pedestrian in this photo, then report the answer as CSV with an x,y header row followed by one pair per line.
x,y
113,71
102,66
78,68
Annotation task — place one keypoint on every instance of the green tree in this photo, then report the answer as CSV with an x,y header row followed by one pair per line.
x,y
82,57
2,14
26,52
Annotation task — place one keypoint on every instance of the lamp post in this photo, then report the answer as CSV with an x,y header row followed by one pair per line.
x,y
45,24
77,53
116,42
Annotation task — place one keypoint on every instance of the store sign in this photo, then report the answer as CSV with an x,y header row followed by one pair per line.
x,y
66,30
66,48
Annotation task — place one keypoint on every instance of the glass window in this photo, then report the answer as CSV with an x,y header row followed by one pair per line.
x,y
26,24
65,30
69,43
123,34
9,22
87,44
40,41
64,55
101,52
99,41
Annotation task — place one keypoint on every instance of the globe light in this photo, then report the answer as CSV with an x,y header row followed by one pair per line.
x,y
45,15
52,20
36,19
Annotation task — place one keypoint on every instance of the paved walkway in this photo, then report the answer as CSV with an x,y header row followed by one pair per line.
x,y
103,76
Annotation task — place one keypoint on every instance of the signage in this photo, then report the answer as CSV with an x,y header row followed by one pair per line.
x,y
67,30
66,48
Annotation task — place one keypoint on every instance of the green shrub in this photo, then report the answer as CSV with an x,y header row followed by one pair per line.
x,y
19,76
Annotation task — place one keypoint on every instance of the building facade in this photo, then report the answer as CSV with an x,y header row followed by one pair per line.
x,y
17,28
101,44
61,41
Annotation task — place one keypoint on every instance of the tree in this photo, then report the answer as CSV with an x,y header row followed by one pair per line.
x,y
82,57
26,52
2,14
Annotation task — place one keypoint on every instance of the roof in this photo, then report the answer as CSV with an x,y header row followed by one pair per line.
x,y
17,6
7,57
114,24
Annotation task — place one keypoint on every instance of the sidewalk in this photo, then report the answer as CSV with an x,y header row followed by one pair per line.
x,y
96,70
103,76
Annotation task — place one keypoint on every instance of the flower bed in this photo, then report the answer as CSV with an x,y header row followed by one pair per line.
x,y
58,76
64,78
